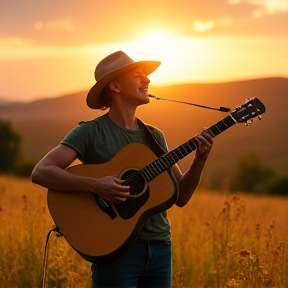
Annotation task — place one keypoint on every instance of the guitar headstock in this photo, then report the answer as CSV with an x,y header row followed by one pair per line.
x,y
245,113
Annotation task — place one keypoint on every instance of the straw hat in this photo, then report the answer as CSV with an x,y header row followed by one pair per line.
x,y
110,67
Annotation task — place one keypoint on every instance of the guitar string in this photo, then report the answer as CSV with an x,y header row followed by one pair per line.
x,y
156,166
169,162
139,174
169,156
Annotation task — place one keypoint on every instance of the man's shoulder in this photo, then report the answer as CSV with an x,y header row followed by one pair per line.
x,y
92,122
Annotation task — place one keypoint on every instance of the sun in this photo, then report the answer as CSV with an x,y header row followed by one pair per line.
x,y
175,52
157,44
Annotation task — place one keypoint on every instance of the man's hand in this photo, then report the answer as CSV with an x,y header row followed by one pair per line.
x,y
112,189
204,144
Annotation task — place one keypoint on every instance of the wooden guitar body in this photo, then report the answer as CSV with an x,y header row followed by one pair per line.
x,y
92,232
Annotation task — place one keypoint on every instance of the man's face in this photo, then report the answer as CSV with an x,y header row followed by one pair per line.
x,y
133,86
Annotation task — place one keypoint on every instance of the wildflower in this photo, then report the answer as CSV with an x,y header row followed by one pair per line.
x,y
244,253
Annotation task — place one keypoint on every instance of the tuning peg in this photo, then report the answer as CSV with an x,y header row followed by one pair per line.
x,y
247,123
248,99
238,108
259,117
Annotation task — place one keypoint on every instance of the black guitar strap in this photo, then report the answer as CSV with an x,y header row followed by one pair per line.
x,y
152,141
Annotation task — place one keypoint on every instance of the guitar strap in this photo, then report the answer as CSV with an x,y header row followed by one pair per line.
x,y
152,141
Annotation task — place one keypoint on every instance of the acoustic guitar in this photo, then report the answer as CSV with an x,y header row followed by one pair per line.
x,y
100,231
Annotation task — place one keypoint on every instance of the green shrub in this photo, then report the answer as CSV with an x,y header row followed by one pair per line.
x,y
23,169
277,185
250,174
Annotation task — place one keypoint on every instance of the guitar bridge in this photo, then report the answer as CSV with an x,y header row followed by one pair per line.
x,y
104,206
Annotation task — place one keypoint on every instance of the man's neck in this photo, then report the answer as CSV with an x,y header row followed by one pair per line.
x,y
124,119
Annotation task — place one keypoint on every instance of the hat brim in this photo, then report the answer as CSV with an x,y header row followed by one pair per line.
x,y
94,100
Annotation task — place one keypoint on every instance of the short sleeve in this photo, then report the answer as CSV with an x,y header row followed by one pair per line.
x,y
78,139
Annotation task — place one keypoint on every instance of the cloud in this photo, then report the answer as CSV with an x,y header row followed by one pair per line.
x,y
60,24
264,7
272,6
269,7
204,26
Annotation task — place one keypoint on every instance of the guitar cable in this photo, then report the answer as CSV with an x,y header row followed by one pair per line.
x,y
59,234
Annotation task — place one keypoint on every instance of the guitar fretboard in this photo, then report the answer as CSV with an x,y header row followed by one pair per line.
x,y
152,170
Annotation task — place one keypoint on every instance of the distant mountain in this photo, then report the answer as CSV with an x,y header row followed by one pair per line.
x,y
4,102
43,123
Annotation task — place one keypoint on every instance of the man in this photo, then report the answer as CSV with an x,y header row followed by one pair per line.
x,y
121,85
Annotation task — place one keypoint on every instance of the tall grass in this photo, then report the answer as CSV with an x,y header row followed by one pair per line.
x,y
219,240
230,241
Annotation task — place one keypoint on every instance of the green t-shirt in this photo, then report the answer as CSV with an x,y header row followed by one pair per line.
x,y
97,141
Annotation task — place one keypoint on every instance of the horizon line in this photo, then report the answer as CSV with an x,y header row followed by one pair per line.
x,y
7,99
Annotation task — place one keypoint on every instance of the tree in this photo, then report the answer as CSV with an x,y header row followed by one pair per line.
x,y
10,142
251,175
277,185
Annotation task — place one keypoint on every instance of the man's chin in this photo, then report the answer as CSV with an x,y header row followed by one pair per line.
x,y
145,101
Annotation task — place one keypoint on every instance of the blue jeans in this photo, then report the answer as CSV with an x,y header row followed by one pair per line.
x,y
147,264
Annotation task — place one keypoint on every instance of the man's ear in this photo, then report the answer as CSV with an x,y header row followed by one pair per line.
x,y
115,86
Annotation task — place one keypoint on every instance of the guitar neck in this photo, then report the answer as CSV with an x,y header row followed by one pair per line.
x,y
152,170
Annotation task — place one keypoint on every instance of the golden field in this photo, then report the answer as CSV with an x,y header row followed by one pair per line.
x,y
219,240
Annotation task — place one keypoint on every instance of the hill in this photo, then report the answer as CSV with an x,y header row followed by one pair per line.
x,y
43,123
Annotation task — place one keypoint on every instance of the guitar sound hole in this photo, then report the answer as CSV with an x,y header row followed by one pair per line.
x,y
139,193
136,182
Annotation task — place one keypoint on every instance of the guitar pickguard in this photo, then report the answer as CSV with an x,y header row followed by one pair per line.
x,y
129,208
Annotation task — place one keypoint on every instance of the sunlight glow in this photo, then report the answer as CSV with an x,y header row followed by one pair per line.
x,y
176,54
184,60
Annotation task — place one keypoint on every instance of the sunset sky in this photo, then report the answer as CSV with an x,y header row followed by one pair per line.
x,y
48,48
